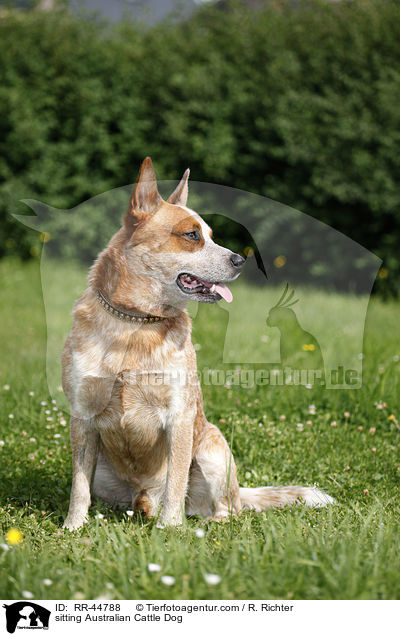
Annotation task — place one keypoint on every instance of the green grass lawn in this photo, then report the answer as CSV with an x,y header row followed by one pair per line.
x,y
348,551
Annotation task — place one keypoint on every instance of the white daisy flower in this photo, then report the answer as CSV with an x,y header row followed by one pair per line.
x,y
212,579
168,580
27,594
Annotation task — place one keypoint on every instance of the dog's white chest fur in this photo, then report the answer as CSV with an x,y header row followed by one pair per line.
x,y
147,400
153,397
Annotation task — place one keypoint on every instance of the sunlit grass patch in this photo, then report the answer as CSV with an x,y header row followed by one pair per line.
x,y
344,441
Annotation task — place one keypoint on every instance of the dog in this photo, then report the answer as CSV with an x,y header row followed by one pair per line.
x,y
138,427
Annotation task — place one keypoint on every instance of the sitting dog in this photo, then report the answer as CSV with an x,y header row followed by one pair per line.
x,y
130,374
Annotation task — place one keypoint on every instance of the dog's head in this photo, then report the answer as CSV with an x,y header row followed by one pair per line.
x,y
168,248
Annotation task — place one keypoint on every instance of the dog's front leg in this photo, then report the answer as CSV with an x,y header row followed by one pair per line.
x,y
85,445
179,444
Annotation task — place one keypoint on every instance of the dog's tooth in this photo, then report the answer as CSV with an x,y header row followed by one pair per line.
x,y
212,288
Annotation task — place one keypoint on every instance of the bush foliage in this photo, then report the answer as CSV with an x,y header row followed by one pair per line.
x,y
297,104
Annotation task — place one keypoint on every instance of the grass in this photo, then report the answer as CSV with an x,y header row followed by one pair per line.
x,y
350,551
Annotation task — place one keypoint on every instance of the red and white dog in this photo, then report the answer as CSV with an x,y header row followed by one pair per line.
x,y
130,375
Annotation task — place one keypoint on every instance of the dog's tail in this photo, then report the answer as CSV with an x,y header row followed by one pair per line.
x,y
271,497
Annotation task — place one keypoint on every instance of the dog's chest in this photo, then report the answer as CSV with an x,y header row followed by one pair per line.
x,y
153,397
152,390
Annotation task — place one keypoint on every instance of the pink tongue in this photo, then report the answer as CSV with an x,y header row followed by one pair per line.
x,y
224,291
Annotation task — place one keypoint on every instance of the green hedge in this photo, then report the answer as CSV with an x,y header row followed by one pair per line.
x,y
298,104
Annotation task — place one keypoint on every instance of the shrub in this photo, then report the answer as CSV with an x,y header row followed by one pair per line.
x,y
298,104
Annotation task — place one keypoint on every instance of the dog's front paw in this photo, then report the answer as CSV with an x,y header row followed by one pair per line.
x,y
74,522
160,525
170,519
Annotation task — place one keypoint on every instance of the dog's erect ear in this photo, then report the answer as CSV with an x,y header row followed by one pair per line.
x,y
145,197
180,194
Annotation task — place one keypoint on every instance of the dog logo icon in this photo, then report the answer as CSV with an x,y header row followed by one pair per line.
x,y
26,615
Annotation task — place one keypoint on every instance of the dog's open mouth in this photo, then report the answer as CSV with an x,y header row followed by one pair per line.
x,y
190,284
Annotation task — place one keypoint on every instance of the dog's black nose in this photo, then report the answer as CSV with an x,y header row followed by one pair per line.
x,y
237,260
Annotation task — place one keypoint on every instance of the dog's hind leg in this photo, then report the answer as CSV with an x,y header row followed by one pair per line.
x,y
85,445
213,487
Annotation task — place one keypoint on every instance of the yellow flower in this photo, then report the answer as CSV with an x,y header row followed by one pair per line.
x,y
392,418
45,237
14,536
280,261
308,347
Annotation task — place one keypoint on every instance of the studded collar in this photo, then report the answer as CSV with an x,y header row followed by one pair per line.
x,y
125,316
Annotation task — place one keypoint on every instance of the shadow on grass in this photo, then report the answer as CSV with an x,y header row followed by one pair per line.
x,y
35,487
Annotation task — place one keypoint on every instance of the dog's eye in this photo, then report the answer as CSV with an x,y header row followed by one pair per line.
x,y
194,235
